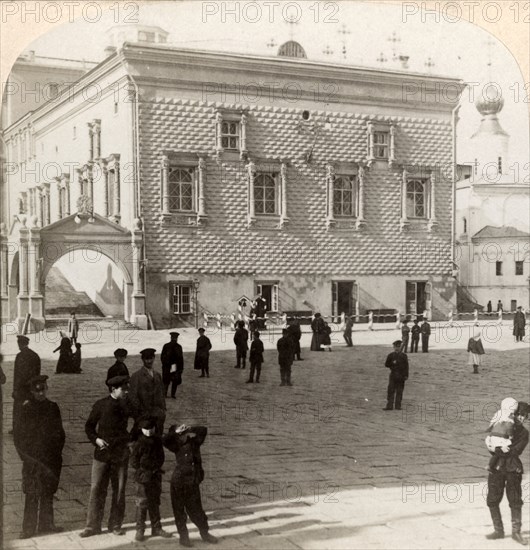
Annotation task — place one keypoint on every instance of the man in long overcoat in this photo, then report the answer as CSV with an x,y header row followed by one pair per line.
x,y
285,349
172,364
39,440
519,322
202,354
241,342
398,363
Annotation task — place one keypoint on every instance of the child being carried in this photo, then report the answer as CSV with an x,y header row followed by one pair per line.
x,y
501,427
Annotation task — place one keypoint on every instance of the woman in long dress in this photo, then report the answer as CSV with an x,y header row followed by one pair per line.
x,y
64,364
318,326
475,350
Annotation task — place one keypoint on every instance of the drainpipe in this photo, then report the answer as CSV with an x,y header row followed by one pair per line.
x,y
454,177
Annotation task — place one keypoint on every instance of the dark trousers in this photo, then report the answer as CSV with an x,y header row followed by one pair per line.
x,y
102,473
414,345
173,382
404,344
38,510
186,501
425,343
347,338
255,367
498,481
148,500
297,349
17,412
285,373
395,388
241,356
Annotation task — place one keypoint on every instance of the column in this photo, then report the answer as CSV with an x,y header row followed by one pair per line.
x,y
433,224
219,145
330,177
96,129
4,293
91,139
59,202
67,194
201,207
138,315
283,189
243,142
39,200
45,204
360,223
105,174
251,169
404,222
90,179
117,196
23,296
165,184
392,150
370,130
36,299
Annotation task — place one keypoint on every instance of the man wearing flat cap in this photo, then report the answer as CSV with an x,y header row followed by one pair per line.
x,y
27,365
119,368
39,440
508,474
172,364
398,364
106,428
146,394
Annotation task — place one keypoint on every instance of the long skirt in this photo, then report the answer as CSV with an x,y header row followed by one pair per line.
x,y
474,359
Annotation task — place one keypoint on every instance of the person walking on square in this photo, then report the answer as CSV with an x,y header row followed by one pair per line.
x,y
106,429
146,393
348,327
119,368
76,359
241,342
256,358
64,363
295,332
285,357
405,332
147,460
27,365
489,307
185,442
415,337
425,330
398,364
172,364
508,475
499,306
73,328
202,354
519,323
475,350
318,326
39,440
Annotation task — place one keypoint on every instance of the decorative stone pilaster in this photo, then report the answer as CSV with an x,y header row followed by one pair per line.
x,y
219,144
164,172
404,221
284,218
360,222
201,203
243,138
105,174
330,183
392,147
138,310
433,223
39,199
36,298
96,130
23,294
251,171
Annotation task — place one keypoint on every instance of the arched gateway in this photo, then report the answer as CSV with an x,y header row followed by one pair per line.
x,y
29,252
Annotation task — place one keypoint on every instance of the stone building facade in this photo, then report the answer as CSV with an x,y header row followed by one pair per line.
x,y
216,176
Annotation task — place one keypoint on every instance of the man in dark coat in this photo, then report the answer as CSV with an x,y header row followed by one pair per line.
x,y
27,366
185,442
146,392
425,330
202,354
398,364
295,333
106,428
285,357
172,364
260,307
39,441
119,368
241,342
519,322
508,475
405,333
414,337
318,326
256,358
348,327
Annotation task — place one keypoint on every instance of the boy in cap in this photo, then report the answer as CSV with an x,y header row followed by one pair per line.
x,y
146,394
172,364
405,332
119,368
39,441
106,428
185,442
508,475
241,342
148,459
27,365
285,349
202,354
256,358
415,337
398,363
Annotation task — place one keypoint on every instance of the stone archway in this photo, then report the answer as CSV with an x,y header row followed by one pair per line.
x,y
35,250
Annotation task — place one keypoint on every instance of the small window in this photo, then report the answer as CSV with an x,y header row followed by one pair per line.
x,y
519,270
181,298
381,141
498,268
230,135
265,194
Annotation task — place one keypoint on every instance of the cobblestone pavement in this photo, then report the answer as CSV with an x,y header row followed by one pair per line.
x,y
316,466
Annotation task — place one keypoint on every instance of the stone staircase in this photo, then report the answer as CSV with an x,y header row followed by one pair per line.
x,y
465,301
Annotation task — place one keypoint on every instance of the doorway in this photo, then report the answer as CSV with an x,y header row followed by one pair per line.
x,y
418,297
343,298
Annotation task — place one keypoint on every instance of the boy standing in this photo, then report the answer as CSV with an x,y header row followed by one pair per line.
x,y
398,364
256,358
415,337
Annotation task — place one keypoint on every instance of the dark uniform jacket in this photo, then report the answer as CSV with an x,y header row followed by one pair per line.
x,y
294,330
187,448
398,364
202,353
27,365
147,394
425,329
39,440
510,461
285,351
118,369
147,458
171,355
241,338
415,332
519,322
405,331
108,421
256,352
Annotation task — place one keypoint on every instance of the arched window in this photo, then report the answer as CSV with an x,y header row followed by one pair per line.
x,y
180,189
416,198
344,196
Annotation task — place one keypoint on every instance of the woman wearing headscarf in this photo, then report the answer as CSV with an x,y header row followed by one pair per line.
x,y
318,326
64,364
475,350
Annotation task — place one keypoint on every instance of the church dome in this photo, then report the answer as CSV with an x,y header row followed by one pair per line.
x,y
292,49
486,106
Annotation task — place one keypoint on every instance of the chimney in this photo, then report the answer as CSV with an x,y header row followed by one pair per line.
x,y
404,61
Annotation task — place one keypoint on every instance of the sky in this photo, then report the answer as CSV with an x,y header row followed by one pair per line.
x,y
457,49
